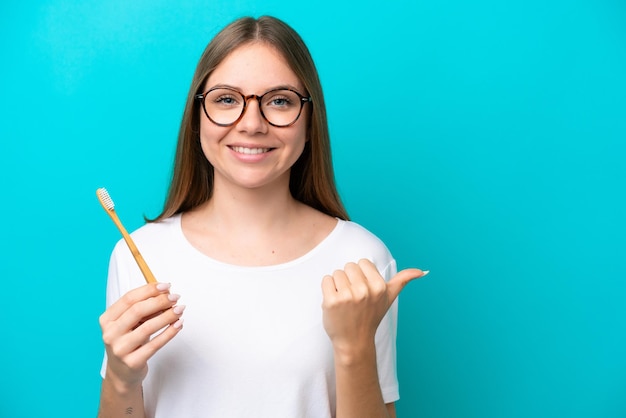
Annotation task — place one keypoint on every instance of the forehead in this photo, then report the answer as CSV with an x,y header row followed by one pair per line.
x,y
254,68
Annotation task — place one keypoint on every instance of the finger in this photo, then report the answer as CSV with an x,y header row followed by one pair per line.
x,y
141,355
159,322
132,341
143,310
134,316
359,285
328,286
141,293
372,275
342,283
354,273
401,279
163,338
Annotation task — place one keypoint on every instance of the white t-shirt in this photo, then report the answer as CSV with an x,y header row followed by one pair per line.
x,y
253,344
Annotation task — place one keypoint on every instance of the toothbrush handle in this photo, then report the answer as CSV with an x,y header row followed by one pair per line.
x,y
143,266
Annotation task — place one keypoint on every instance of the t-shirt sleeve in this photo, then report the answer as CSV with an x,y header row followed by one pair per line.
x,y
119,281
386,345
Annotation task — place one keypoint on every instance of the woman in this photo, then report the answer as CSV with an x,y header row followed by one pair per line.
x,y
252,227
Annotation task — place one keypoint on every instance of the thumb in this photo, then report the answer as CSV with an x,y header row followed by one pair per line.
x,y
397,282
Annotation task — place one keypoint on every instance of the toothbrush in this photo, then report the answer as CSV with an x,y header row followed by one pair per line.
x,y
109,207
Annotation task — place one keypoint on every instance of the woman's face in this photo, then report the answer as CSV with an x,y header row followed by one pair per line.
x,y
252,153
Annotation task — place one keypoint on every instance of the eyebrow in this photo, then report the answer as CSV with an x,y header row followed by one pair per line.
x,y
278,87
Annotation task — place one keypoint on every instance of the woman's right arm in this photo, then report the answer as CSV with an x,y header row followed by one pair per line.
x,y
127,326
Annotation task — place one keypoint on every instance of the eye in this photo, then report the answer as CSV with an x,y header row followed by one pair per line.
x,y
226,100
280,100
223,99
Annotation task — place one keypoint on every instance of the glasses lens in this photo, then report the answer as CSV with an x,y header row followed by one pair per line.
x,y
223,106
281,107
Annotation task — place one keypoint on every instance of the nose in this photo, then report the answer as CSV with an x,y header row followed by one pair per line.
x,y
252,121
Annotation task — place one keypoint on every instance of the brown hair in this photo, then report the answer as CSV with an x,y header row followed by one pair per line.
x,y
311,179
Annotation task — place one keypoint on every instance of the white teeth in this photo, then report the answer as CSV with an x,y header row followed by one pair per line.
x,y
243,150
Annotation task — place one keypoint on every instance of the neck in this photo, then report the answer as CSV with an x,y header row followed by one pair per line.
x,y
251,211
255,226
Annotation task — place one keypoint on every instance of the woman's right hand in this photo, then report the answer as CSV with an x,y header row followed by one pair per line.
x,y
127,326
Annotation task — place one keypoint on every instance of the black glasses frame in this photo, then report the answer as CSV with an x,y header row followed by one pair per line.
x,y
202,98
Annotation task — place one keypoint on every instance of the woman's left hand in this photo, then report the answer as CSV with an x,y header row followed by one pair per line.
x,y
355,301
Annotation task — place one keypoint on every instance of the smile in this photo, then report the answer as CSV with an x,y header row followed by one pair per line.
x,y
251,151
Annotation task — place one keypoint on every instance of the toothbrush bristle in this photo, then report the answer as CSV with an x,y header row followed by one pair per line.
x,y
105,198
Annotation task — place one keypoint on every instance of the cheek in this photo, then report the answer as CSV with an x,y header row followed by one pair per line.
x,y
210,135
298,144
208,130
298,137
302,128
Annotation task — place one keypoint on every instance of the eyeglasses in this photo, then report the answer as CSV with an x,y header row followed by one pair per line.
x,y
279,107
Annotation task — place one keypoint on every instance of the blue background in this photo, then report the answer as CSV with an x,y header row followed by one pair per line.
x,y
482,140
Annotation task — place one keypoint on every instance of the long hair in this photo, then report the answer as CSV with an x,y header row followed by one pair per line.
x,y
311,178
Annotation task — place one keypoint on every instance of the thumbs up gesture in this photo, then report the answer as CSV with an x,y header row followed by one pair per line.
x,y
355,301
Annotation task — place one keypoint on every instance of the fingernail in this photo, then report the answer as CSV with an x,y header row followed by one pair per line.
x,y
425,272
163,286
178,324
179,309
173,297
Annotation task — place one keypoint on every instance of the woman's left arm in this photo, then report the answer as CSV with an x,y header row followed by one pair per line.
x,y
355,301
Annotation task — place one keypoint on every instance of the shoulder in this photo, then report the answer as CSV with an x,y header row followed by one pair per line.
x,y
156,229
353,237
355,231
152,234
